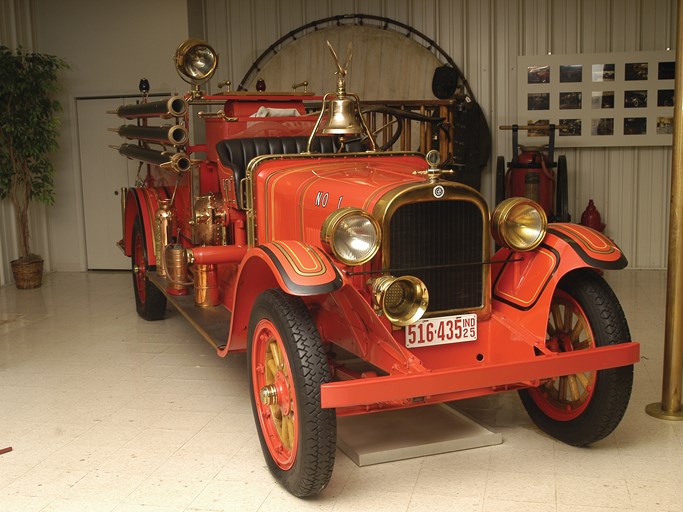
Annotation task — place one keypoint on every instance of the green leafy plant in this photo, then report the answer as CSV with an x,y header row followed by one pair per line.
x,y
29,127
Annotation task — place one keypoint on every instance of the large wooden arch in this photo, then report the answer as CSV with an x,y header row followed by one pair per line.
x,y
386,64
391,61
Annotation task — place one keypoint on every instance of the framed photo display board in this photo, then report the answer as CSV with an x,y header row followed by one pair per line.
x,y
599,99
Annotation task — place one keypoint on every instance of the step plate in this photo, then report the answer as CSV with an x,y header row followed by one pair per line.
x,y
212,323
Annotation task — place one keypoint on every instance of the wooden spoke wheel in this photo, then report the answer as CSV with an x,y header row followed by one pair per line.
x,y
287,366
277,407
582,408
566,397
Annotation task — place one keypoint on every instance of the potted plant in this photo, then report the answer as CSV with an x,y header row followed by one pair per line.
x,y
28,134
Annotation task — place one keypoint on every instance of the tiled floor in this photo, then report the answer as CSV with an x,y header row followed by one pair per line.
x,y
107,412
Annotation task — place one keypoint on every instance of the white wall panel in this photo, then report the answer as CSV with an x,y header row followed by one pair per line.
x,y
630,186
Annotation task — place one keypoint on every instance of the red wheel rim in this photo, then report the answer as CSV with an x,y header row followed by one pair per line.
x,y
140,268
565,398
271,374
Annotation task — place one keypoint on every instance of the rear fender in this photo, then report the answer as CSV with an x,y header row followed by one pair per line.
x,y
142,203
524,283
296,268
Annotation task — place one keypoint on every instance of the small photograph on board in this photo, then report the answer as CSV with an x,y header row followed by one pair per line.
x,y
570,127
602,99
569,100
635,99
542,130
665,125
666,71
636,71
603,72
602,126
538,101
665,98
635,125
538,74
571,73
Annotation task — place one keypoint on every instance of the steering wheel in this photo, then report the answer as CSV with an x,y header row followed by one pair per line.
x,y
394,121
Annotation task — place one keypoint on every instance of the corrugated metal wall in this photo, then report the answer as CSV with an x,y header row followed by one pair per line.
x,y
630,186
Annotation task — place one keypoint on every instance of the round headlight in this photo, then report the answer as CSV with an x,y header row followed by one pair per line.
x,y
195,61
351,235
519,224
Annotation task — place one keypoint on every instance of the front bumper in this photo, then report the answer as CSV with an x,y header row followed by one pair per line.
x,y
365,392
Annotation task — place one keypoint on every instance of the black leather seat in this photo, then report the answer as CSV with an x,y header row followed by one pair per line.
x,y
237,153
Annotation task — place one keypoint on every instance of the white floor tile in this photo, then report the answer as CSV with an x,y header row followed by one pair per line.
x,y
107,412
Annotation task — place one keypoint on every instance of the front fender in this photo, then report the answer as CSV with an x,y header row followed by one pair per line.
x,y
294,267
142,203
524,283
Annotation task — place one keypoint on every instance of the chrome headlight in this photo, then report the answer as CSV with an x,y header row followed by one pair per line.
x,y
519,224
195,61
352,235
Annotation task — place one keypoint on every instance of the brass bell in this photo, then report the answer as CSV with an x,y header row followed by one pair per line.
x,y
343,118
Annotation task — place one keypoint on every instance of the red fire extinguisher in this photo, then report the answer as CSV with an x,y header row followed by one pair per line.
x,y
532,174
531,178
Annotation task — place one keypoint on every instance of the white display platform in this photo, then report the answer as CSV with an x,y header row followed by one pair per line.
x,y
407,433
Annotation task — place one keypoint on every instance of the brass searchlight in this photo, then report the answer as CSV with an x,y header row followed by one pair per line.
x,y
195,62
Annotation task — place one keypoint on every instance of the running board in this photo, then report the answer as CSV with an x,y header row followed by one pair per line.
x,y
212,322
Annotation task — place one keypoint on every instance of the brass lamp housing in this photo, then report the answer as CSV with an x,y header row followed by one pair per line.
x,y
195,61
519,224
403,300
336,224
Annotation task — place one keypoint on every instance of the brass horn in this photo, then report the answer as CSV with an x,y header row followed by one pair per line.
x,y
175,106
403,300
175,135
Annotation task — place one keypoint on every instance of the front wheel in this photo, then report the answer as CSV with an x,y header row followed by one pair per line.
x,y
287,366
583,408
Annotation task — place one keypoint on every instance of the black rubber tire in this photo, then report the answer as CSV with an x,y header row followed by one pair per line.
x,y
612,389
151,304
562,191
500,179
316,427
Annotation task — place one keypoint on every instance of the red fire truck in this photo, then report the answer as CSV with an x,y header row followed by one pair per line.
x,y
297,238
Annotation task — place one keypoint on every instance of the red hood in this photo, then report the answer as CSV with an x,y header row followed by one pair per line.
x,y
293,196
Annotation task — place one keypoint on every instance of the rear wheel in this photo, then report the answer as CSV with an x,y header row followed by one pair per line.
x,y
149,301
583,408
287,366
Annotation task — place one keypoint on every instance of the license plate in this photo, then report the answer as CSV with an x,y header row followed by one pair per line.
x,y
441,331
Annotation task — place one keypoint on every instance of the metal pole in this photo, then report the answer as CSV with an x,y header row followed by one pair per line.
x,y
670,406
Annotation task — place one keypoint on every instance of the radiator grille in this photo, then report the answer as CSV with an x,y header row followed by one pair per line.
x,y
437,234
